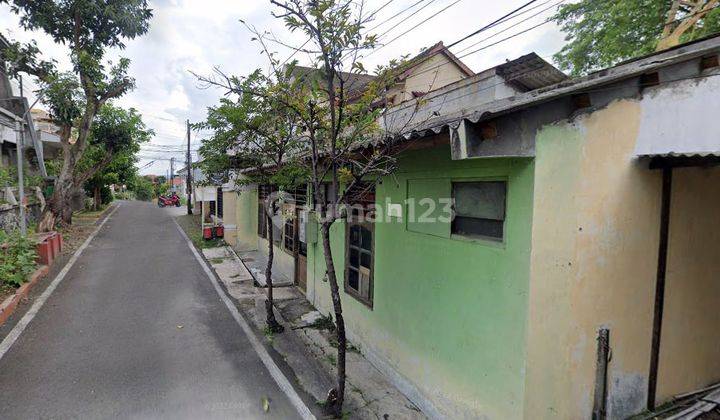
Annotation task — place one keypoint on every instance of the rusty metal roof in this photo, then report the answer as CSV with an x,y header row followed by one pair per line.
x,y
530,72
447,107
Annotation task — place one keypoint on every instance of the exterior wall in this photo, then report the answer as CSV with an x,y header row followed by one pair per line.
x,y
690,340
246,219
594,261
229,217
448,318
424,79
283,263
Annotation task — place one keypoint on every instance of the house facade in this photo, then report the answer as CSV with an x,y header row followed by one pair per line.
x,y
547,247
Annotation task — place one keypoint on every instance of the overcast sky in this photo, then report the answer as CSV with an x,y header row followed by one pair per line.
x,y
195,35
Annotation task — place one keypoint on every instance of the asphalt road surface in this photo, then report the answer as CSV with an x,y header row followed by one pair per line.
x,y
136,330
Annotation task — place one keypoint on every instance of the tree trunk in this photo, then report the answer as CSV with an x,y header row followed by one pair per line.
x,y
59,206
336,398
272,323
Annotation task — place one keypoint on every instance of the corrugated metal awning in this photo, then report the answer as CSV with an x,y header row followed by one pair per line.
x,y
681,121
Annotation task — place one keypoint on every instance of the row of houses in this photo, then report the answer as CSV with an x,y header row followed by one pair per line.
x,y
579,274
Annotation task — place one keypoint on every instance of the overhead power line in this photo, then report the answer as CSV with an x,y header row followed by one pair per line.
x,y
491,24
514,25
395,15
408,17
414,27
449,63
296,50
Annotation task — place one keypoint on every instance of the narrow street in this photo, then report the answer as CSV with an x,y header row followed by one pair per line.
x,y
136,329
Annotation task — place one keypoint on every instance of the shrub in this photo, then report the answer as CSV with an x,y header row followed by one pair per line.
x,y
17,259
142,188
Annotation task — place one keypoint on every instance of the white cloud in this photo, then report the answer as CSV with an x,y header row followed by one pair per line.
x,y
196,35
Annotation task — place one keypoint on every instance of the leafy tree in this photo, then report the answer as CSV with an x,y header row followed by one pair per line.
x,y
348,137
601,33
88,28
142,187
261,135
117,135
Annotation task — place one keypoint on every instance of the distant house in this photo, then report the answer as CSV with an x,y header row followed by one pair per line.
x,y
430,70
14,108
49,133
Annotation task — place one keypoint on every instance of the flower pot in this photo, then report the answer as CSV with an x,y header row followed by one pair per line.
x,y
219,231
207,233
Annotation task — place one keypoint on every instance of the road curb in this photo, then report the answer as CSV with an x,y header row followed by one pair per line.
x,y
8,307
278,376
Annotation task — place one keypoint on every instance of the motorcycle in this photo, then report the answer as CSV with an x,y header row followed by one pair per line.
x,y
171,200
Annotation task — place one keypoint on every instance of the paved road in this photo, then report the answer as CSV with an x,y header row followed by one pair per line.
x,y
107,342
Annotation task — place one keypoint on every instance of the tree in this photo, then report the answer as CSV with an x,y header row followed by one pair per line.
x,y
88,28
262,136
142,187
347,133
116,137
600,33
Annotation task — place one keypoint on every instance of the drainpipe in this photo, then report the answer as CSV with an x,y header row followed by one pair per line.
x,y
601,368
660,285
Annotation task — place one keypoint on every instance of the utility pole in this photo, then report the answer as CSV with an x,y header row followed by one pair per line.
x,y
189,172
172,173
21,176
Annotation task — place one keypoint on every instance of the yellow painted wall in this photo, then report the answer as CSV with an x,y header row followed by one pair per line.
x,y
246,219
229,217
434,73
593,264
690,341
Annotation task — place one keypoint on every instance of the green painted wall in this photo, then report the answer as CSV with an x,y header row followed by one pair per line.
x,y
449,314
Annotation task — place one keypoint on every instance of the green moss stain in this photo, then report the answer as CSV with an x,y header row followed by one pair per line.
x,y
449,314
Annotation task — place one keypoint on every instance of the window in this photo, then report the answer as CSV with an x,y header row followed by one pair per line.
x,y
262,220
479,209
359,261
327,193
264,192
359,244
219,203
289,237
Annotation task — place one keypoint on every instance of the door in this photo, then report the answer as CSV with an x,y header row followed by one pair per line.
x,y
301,250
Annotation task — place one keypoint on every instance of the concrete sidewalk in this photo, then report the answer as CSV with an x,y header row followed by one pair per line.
x,y
309,347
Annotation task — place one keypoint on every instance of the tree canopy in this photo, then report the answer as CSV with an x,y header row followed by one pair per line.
x,y
88,28
600,33
116,137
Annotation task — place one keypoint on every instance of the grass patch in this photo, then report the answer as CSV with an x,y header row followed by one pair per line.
x,y
269,334
92,213
190,223
217,260
332,359
325,322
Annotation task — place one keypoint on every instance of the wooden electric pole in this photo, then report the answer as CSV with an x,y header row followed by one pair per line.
x,y
189,172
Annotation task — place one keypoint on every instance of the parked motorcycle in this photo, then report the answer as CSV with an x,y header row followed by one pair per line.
x,y
169,200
